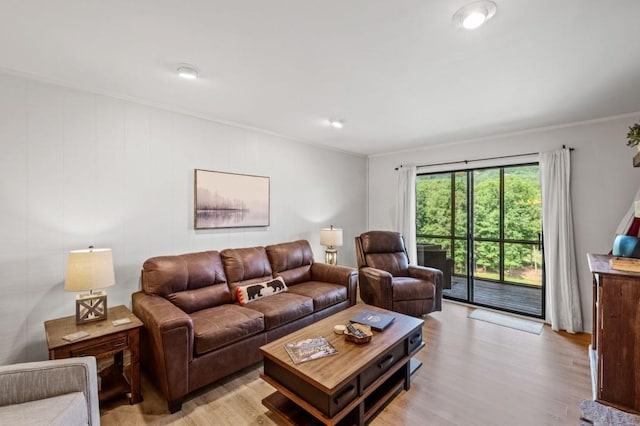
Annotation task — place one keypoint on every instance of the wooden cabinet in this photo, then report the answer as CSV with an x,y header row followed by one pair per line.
x,y
615,348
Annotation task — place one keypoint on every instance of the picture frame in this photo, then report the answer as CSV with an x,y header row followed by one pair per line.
x,y
230,200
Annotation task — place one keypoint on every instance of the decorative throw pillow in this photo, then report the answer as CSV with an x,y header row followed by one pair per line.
x,y
253,292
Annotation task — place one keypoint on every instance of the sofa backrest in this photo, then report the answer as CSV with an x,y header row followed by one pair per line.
x,y
292,261
245,266
192,281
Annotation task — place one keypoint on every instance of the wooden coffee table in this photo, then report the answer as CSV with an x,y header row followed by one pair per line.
x,y
349,387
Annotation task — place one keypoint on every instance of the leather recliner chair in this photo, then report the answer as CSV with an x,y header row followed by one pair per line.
x,y
388,281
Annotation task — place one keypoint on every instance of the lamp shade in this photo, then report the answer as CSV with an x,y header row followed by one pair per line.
x,y
89,269
331,237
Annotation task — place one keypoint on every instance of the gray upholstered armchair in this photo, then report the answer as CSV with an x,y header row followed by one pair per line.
x,y
387,280
56,392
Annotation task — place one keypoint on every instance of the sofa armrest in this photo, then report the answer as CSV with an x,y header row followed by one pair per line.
x,y
336,274
31,381
376,287
169,337
429,274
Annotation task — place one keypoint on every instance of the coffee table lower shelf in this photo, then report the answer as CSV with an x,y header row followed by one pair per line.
x,y
293,414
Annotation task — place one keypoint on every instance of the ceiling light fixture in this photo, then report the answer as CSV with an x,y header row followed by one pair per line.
x,y
187,71
336,124
474,14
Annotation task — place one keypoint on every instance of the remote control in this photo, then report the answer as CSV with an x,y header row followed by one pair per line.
x,y
75,336
120,321
356,332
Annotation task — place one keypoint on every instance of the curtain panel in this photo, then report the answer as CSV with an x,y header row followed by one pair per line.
x,y
561,275
406,209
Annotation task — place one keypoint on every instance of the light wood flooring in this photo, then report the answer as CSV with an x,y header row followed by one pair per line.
x,y
474,373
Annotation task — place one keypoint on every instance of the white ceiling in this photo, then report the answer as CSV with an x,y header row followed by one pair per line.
x,y
398,72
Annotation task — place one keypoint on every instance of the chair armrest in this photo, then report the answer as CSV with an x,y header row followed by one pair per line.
x,y
425,273
429,274
376,287
168,338
33,381
337,274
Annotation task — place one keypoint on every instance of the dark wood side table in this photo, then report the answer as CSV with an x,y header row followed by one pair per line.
x,y
104,340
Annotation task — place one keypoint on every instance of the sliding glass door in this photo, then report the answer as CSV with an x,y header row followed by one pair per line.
x,y
488,224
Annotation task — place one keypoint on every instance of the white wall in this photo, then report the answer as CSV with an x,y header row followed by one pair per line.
x,y
78,169
604,181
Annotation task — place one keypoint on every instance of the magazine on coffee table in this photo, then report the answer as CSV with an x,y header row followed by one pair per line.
x,y
375,320
308,349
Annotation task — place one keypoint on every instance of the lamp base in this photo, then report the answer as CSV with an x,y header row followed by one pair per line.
x,y
331,256
91,307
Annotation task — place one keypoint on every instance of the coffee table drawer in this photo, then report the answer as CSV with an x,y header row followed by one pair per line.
x,y
330,405
382,365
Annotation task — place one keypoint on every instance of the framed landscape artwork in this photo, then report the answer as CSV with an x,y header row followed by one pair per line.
x,y
229,200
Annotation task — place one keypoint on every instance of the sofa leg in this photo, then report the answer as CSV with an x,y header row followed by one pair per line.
x,y
175,405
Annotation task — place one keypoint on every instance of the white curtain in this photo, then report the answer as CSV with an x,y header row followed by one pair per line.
x,y
563,294
406,209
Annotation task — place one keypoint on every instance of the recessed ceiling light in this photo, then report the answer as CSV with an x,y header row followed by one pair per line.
x,y
187,71
336,124
474,14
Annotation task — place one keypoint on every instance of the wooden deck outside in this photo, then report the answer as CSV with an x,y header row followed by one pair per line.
x,y
511,297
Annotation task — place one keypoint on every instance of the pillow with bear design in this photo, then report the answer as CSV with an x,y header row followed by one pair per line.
x,y
252,292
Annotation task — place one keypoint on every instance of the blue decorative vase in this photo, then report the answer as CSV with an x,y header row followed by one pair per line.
x,y
626,246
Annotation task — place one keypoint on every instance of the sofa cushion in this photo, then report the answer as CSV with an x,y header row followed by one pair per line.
x,y
323,294
192,281
65,410
245,266
222,325
252,292
282,308
292,261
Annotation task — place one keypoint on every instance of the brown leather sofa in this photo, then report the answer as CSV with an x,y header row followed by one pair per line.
x,y
195,330
388,281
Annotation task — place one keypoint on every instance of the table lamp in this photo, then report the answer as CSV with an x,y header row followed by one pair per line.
x,y
90,269
331,237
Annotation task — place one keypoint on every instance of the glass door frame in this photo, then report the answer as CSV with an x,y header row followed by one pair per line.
x,y
470,237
